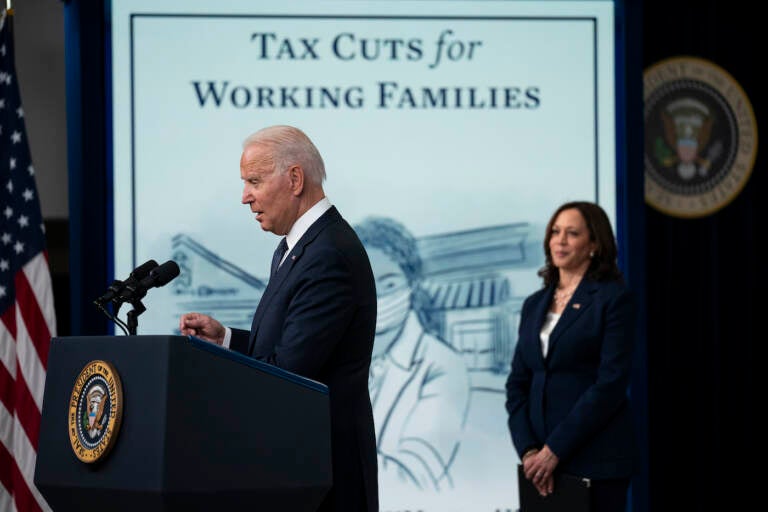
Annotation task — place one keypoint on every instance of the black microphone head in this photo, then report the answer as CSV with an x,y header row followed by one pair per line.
x,y
129,286
143,270
165,273
111,292
158,276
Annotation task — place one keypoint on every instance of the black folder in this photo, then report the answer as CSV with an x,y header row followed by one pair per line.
x,y
571,494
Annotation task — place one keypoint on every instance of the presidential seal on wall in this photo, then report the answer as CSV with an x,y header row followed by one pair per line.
x,y
700,137
95,411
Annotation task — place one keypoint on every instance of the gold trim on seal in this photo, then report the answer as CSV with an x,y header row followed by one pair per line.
x,y
95,411
691,89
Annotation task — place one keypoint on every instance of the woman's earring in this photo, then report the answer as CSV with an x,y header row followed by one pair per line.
x,y
591,254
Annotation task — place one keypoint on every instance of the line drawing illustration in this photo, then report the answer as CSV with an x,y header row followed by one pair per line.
x,y
448,309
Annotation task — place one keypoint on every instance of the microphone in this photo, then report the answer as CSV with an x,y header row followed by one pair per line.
x,y
139,273
158,276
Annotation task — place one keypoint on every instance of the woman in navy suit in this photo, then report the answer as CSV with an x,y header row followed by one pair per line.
x,y
567,390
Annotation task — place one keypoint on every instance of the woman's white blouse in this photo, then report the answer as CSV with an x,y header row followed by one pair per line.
x,y
546,330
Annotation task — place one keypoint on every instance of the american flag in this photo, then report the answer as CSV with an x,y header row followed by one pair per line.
x,y
27,318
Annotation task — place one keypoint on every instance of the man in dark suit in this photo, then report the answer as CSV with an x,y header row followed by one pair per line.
x,y
317,316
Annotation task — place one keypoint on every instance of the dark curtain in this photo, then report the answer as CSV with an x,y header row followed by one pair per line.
x,y
702,284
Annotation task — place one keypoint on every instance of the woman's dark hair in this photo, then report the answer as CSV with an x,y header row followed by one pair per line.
x,y
603,265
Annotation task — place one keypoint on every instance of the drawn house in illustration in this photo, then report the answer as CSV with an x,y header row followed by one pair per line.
x,y
209,284
477,281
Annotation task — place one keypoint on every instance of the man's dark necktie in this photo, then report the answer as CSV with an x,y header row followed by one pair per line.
x,y
279,252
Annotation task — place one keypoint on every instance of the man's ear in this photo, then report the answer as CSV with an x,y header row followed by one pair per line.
x,y
296,177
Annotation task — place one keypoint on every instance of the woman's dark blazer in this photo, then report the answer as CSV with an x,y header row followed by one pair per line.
x,y
575,400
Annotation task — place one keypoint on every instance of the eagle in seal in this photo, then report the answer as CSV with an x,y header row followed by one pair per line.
x,y
95,400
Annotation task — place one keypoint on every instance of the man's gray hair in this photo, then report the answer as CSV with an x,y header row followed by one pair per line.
x,y
290,146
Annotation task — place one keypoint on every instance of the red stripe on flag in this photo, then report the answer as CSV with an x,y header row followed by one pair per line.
x,y
23,497
27,411
37,327
8,317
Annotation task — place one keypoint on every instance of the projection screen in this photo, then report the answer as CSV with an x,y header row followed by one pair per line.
x,y
464,122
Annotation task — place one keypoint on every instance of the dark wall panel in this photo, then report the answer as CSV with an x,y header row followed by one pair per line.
x,y
702,293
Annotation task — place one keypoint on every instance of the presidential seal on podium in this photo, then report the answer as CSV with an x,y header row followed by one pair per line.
x,y
95,411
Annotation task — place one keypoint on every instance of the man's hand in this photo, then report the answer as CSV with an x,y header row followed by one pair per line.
x,y
202,326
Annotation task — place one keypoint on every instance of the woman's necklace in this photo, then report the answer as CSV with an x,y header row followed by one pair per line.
x,y
563,295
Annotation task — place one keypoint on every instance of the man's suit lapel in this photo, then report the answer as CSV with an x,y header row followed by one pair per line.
x,y
277,280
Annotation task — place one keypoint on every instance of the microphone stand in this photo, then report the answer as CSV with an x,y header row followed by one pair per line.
x,y
112,316
132,315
